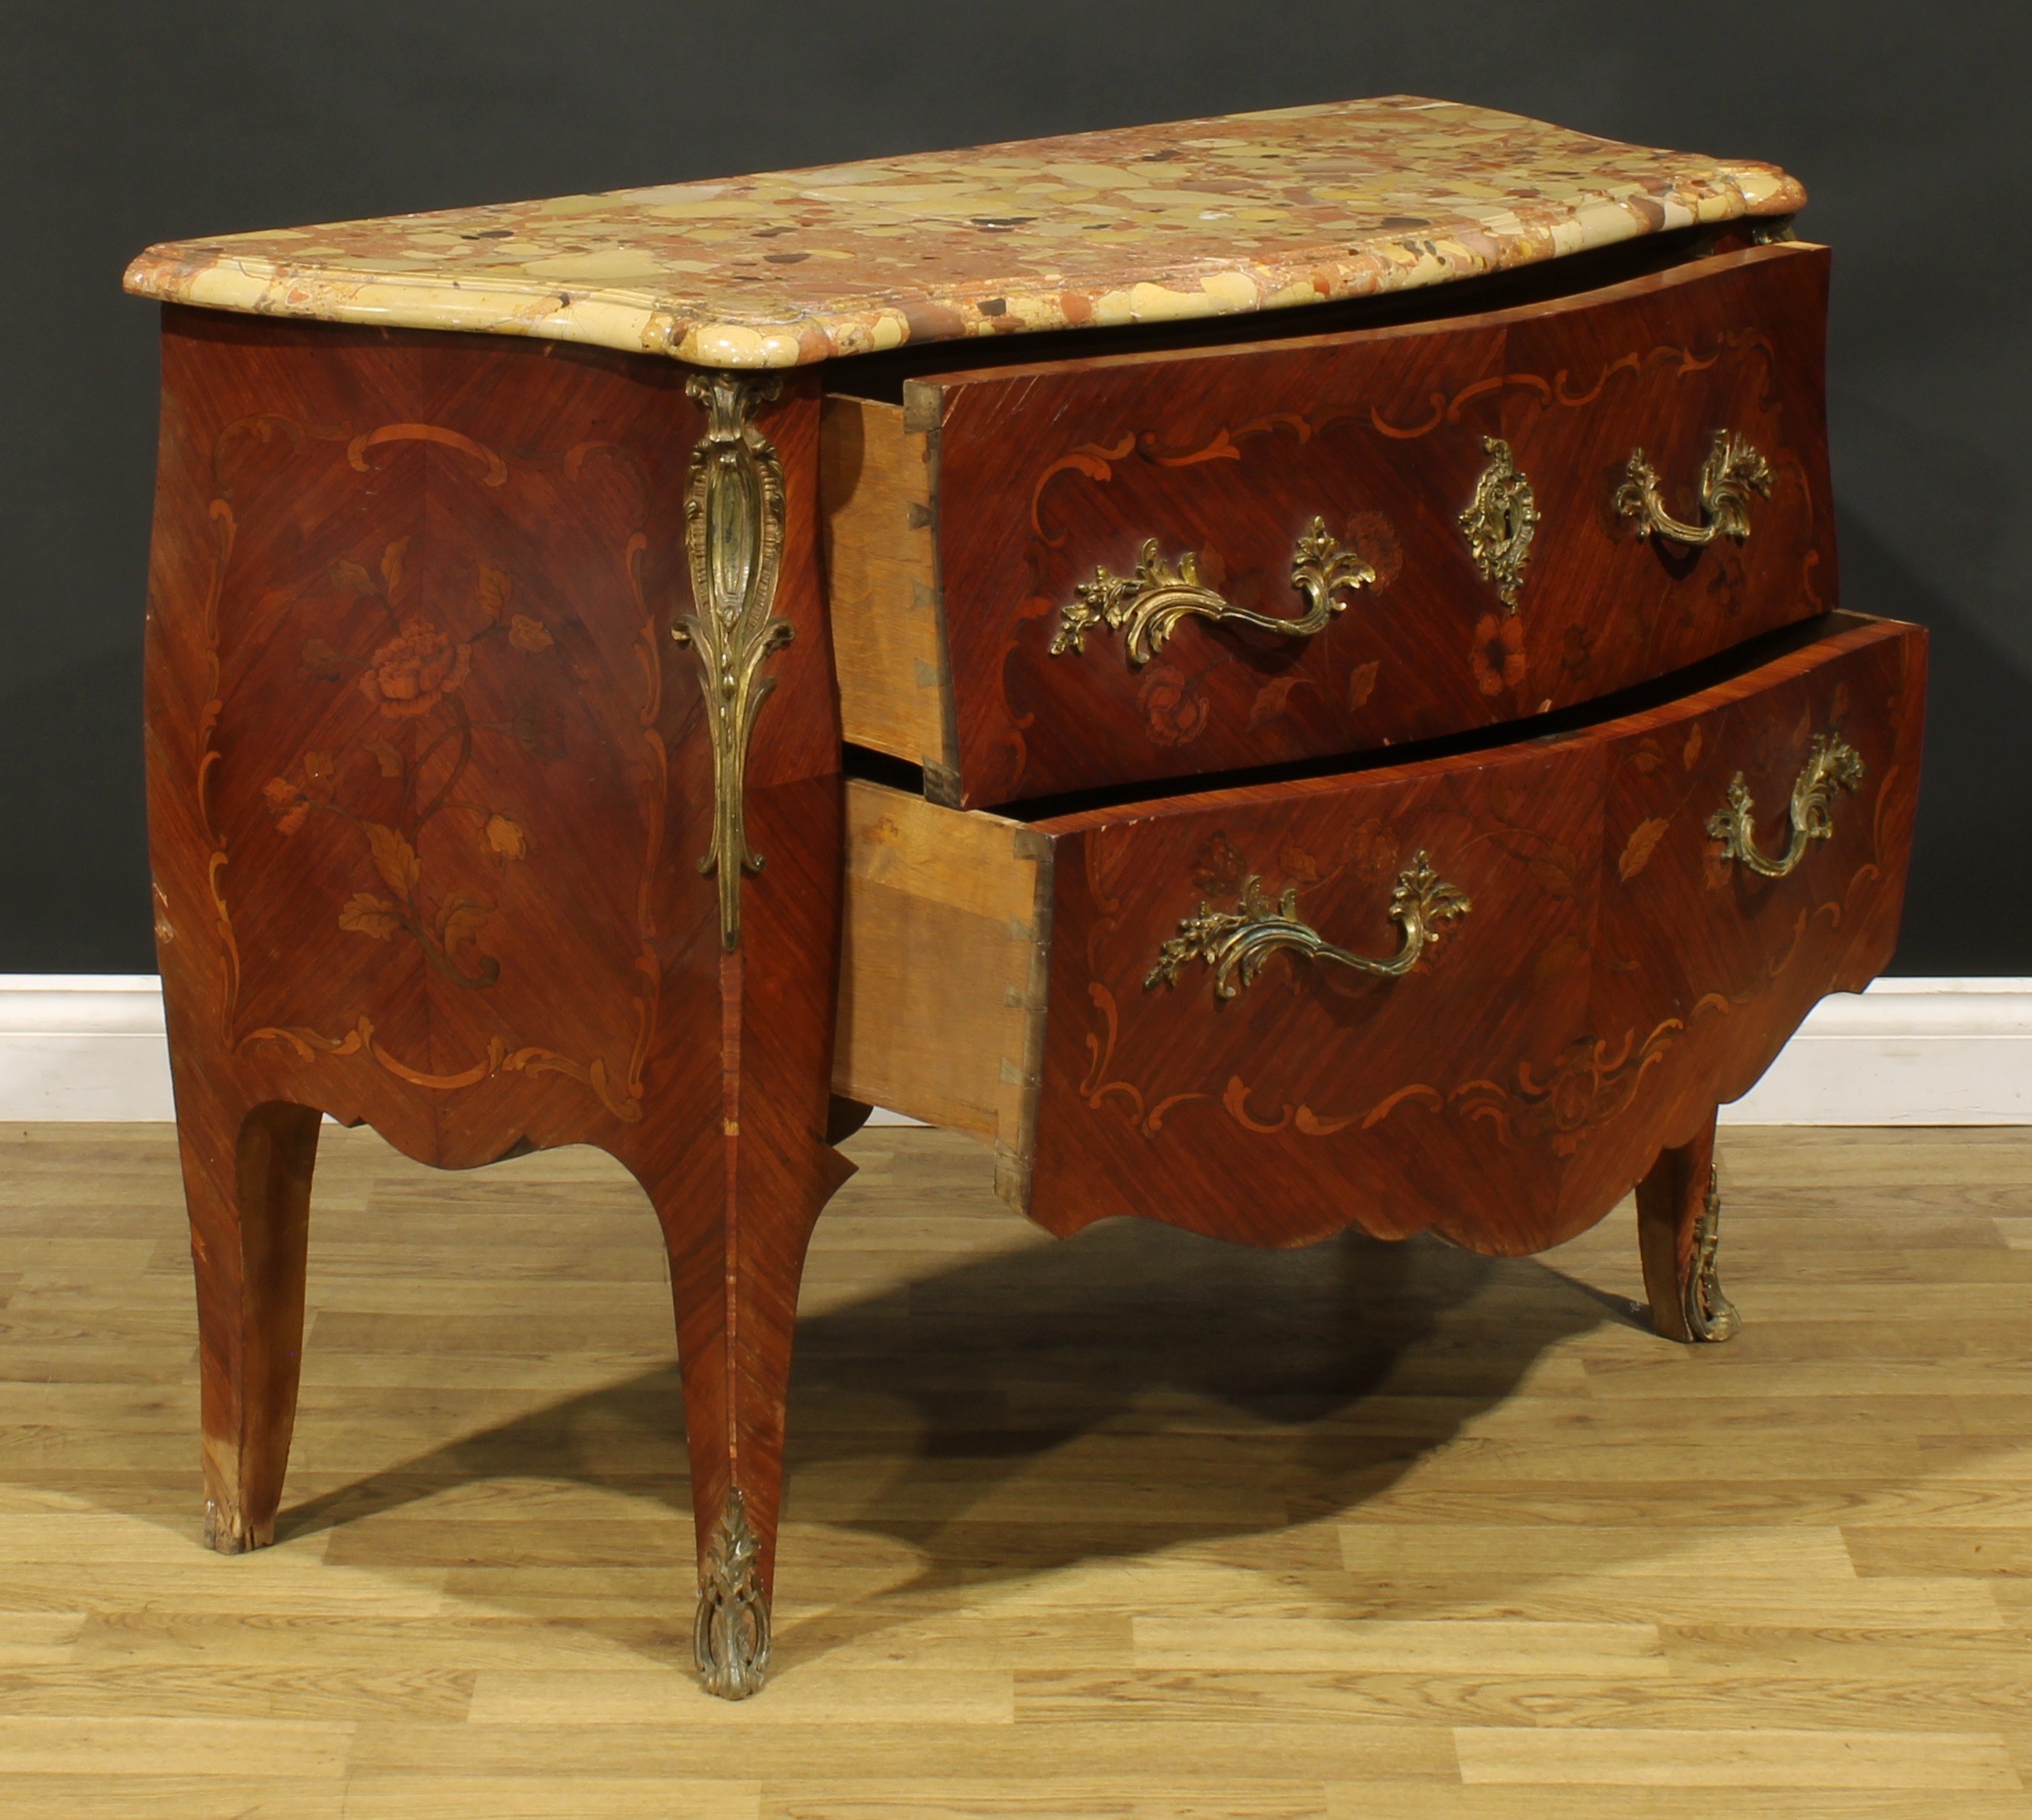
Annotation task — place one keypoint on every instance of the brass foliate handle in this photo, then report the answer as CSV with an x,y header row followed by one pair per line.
x,y
1732,471
1235,944
1147,606
1829,765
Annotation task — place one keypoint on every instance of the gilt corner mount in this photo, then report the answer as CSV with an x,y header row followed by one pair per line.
x,y
734,530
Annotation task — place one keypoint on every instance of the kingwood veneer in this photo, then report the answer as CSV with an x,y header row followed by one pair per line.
x,y
498,661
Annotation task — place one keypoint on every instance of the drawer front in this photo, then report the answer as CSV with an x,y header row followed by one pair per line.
x,y
1616,971
1271,540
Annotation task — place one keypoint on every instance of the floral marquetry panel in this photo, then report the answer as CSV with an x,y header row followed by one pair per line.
x,y
1690,932
1604,975
1193,218
428,821
438,819
1053,479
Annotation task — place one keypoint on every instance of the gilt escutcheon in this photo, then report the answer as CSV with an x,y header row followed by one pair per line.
x,y
1500,521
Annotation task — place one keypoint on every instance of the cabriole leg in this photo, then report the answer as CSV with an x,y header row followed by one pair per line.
x,y
1678,1211
734,1281
247,1185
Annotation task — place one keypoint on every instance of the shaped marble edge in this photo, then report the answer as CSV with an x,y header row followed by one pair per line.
x,y
1316,203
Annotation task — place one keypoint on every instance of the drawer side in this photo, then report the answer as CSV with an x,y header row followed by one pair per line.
x,y
943,970
877,485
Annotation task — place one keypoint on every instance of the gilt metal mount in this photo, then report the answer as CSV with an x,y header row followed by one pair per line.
x,y
1733,471
733,534
1501,521
1710,1314
1235,944
1831,766
1146,607
731,1636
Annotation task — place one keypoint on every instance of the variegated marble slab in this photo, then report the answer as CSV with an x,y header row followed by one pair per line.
x,y
1254,211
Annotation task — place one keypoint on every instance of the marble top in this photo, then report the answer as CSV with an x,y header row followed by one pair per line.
x,y
1199,218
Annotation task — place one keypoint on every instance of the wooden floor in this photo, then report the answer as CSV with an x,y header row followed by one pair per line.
x,y
1138,1526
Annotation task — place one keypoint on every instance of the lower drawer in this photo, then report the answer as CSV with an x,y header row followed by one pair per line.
x,y
1478,993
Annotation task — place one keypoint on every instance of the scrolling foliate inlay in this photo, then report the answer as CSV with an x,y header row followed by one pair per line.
x,y
734,527
426,734
411,762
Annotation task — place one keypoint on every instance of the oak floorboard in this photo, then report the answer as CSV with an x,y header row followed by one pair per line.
x,y
1715,1758
1768,1695
219,1795
1501,1801
1050,1797
535,1798
1138,1526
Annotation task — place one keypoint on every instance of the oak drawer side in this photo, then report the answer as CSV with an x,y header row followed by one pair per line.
x,y
876,487
943,965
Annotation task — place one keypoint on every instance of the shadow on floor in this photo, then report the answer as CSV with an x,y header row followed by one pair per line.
x,y
1134,1387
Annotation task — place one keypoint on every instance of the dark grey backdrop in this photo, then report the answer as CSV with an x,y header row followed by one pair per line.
x,y
125,124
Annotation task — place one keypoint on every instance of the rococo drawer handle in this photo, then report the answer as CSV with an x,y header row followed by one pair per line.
x,y
1240,940
1148,605
1732,471
1829,765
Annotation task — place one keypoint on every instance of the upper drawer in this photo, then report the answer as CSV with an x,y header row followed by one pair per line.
x,y
1050,577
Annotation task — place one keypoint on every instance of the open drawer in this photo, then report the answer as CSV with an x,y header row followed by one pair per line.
x,y
1090,572
1478,993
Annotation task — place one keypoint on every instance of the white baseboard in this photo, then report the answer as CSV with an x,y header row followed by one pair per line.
x,y
82,1046
1906,1052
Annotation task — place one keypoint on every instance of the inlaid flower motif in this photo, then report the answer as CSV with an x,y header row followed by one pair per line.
x,y
1173,713
414,677
291,802
365,913
1372,849
1642,844
1375,536
1575,1092
1589,1084
502,837
320,663
287,802
1497,653
1577,649
415,670
1218,868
